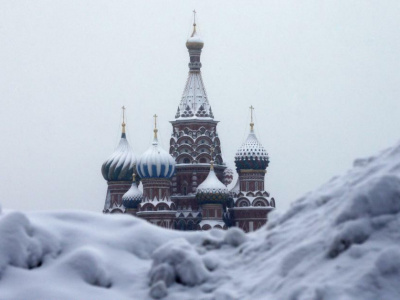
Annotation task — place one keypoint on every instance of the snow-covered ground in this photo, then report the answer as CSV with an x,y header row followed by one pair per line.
x,y
339,242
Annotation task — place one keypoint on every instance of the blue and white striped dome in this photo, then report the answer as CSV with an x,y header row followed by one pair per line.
x,y
156,163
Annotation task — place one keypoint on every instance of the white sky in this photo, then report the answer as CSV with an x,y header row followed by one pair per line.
x,y
322,75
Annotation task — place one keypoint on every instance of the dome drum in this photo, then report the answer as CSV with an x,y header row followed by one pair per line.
x,y
251,163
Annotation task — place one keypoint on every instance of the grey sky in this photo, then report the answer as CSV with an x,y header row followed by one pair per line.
x,y
322,75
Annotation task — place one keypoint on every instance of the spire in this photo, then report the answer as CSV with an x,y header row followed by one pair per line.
x,y
123,122
251,122
194,103
155,129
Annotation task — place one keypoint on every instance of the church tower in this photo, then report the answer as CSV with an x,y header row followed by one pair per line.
x,y
156,168
251,202
118,170
194,134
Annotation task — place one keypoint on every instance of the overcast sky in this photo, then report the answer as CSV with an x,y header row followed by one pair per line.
x,y
322,75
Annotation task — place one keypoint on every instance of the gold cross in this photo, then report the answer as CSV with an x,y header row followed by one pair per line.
x,y
155,127
194,17
155,121
123,114
123,119
251,114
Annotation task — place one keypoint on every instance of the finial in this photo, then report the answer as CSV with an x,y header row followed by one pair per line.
x,y
212,161
155,126
194,23
123,119
251,114
133,177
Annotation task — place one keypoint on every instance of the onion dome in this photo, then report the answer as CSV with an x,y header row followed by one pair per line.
x,y
228,176
236,189
133,196
251,155
194,42
211,190
156,162
121,164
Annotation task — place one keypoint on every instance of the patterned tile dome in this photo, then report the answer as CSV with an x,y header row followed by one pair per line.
x,y
251,155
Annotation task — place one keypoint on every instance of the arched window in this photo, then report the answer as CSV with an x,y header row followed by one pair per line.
x,y
203,160
186,160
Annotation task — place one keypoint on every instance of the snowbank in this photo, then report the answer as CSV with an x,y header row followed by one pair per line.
x,y
339,242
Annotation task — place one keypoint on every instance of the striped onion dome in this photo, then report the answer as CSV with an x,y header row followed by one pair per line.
x,y
212,190
121,164
133,196
251,155
156,162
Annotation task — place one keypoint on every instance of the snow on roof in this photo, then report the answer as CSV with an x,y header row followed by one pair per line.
x,y
212,185
133,194
156,162
212,223
194,102
120,165
236,188
251,148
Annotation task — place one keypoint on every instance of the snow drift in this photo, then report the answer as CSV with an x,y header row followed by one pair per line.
x,y
339,242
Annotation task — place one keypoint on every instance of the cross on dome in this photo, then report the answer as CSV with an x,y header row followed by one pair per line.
x,y
251,116
123,119
155,126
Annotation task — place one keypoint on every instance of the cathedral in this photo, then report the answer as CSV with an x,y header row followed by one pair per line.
x,y
186,189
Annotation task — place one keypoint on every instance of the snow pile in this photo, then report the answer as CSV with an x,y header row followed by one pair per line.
x,y
339,242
